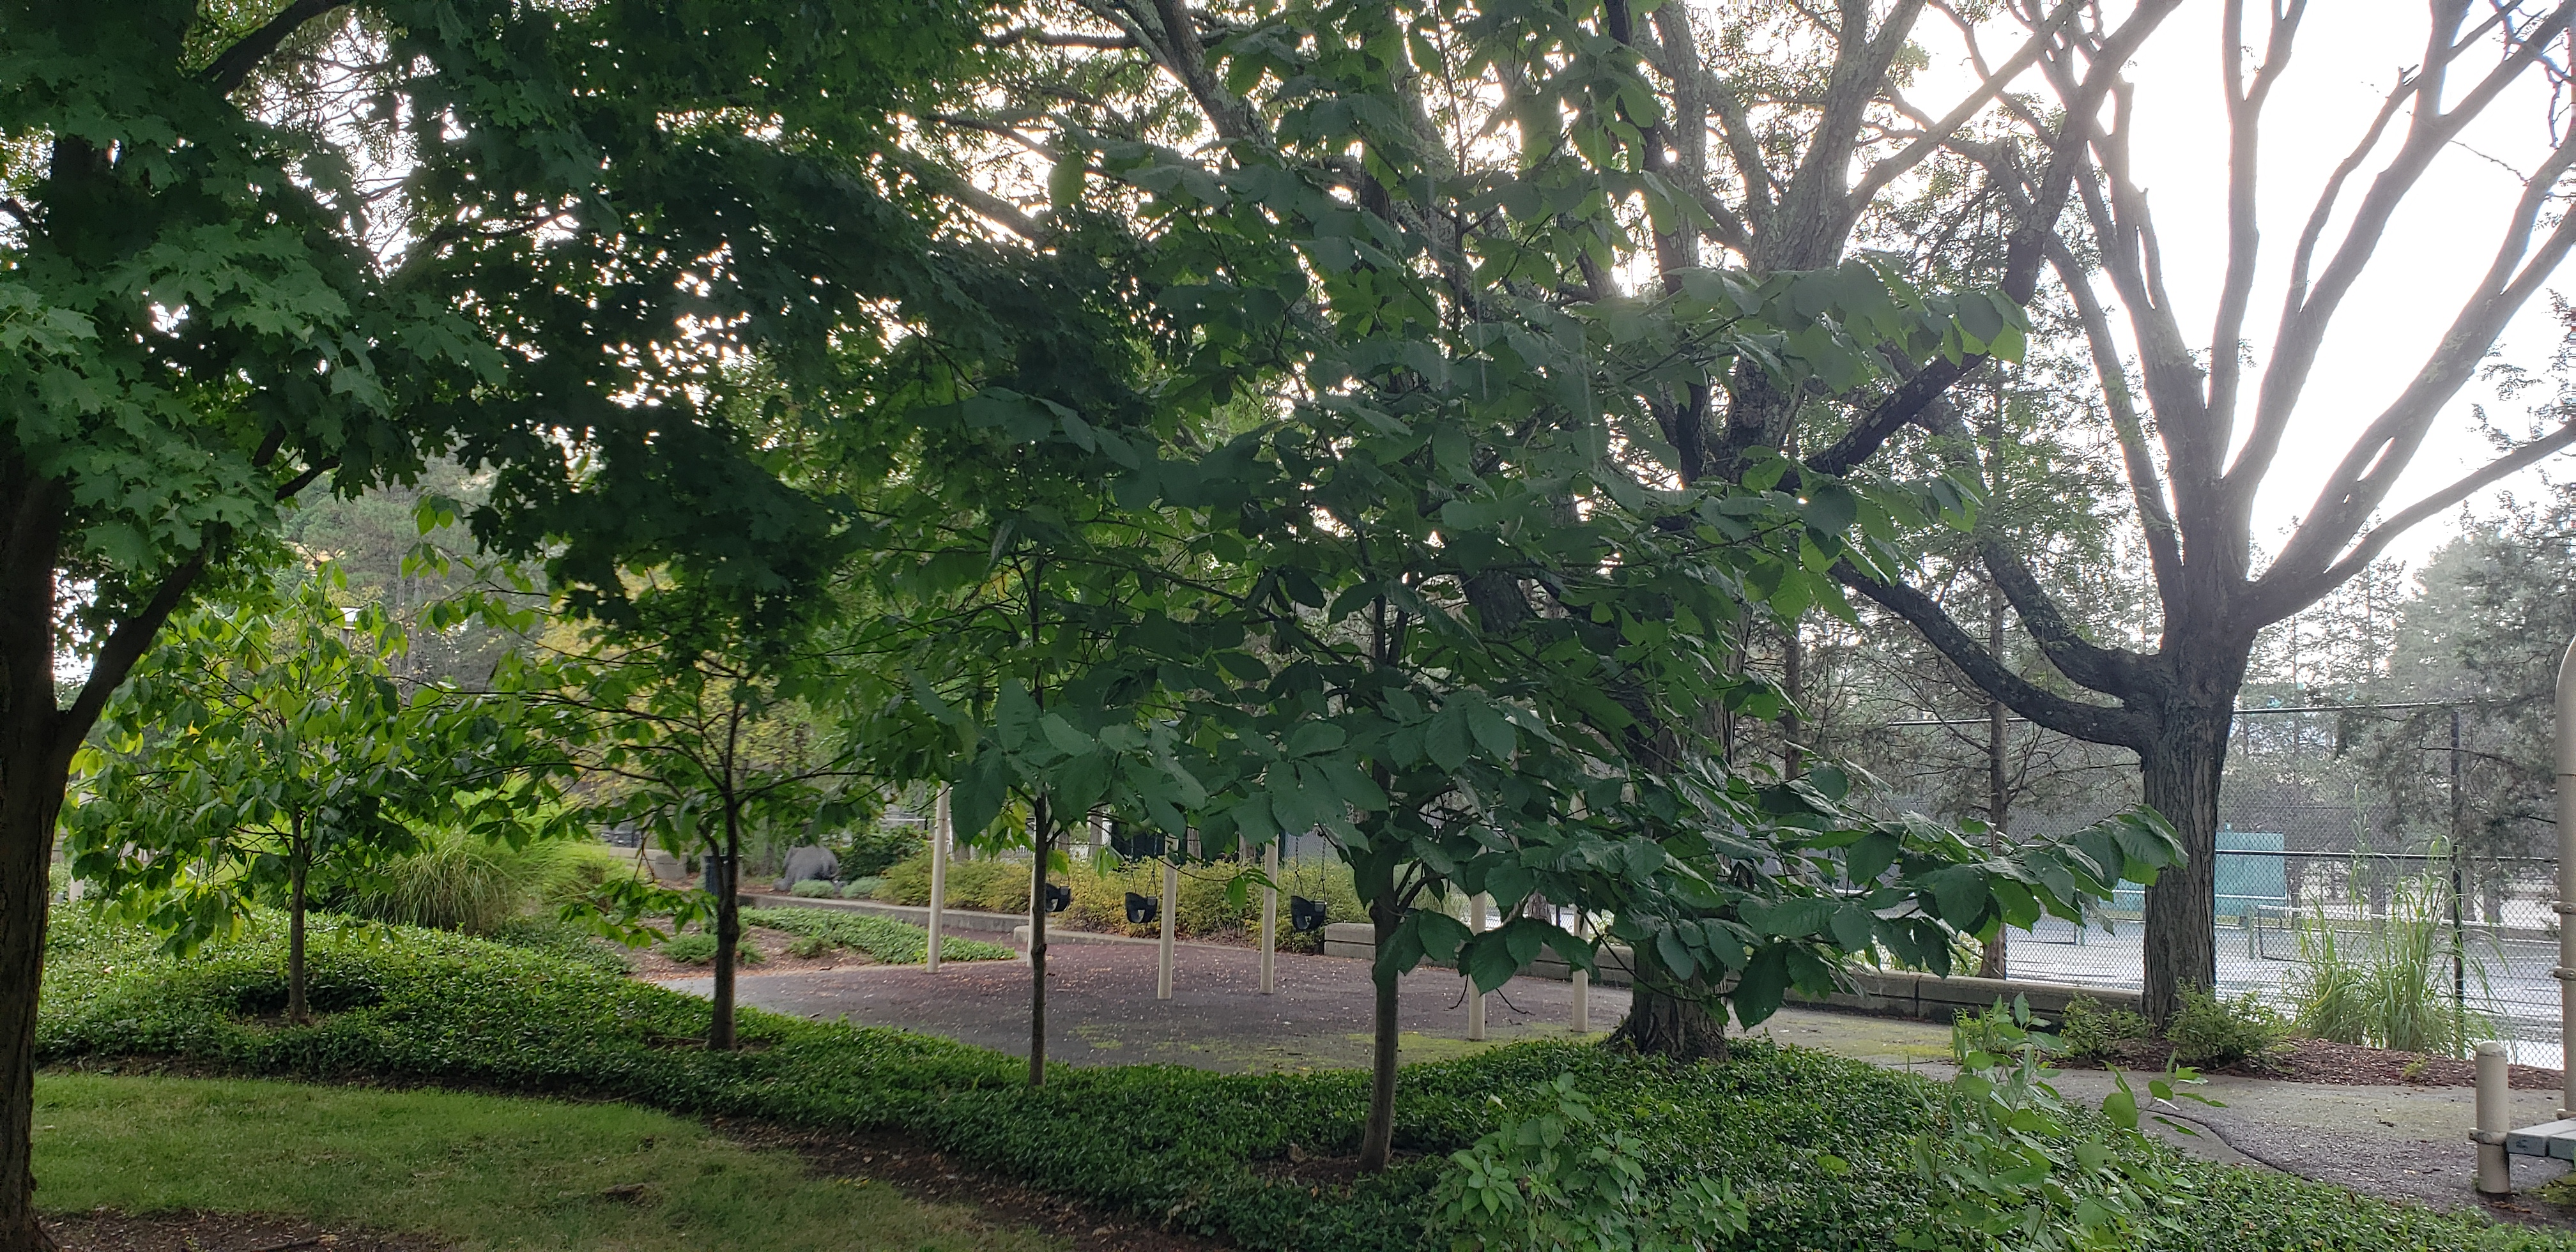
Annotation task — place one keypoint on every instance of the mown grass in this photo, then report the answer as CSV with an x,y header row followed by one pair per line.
x,y
484,1172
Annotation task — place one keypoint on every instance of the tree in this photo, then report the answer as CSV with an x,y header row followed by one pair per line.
x,y
700,747
247,249
265,743
2217,431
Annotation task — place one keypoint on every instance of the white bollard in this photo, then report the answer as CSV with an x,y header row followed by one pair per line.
x,y
1163,944
2495,1118
1270,919
940,835
1475,998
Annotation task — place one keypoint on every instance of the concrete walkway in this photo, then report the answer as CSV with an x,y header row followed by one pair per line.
x,y
2398,1142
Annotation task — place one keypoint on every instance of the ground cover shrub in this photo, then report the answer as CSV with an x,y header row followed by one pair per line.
x,y
1819,1149
883,938
992,886
565,943
698,947
2089,1031
2211,1030
861,888
1562,1179
815,889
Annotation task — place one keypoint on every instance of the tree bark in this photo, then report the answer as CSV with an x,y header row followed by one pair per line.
x,y
1038,948
298,862
726,880
1993,960
35,765
1680,1027
2181,767
1377,1138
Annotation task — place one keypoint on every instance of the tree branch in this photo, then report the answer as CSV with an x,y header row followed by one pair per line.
x,y
2274,603
2094,723
1058,39
233,67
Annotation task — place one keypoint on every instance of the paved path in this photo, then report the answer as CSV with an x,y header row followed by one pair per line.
x,y
1101,1008
2400,1142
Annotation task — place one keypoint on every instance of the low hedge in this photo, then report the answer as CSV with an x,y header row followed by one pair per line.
x,y
1204,1152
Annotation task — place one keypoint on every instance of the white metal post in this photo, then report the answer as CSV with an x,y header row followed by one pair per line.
x,y
939,837
2495,1118
2566,905
1163,942
1270,919
1475,998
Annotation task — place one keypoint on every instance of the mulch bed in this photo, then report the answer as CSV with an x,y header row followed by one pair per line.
x,y
2338,1064
106,1231
931,1177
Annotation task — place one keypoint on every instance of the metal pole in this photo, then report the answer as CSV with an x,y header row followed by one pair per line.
x,y
1582,991
1163,942
1270,918
2566,904
1475,998
940,834
2459,934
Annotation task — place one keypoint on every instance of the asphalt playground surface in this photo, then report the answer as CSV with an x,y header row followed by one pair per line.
x,y
2399,1142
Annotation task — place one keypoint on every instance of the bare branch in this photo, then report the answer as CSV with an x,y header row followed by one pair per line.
x,y
1889,170
1059,39
2146,485
2280,602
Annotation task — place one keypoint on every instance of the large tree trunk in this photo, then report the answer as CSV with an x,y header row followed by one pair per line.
x,y
1377,1139
1684,1026
1038,949
2181,770
35,763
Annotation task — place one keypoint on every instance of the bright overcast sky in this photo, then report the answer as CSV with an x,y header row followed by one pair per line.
x,y
2348,54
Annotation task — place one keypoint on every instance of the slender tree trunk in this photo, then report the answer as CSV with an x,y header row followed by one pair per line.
x,y
1377,1138
727,882
1995,962
1793,681
1038,947
2181,771
298,863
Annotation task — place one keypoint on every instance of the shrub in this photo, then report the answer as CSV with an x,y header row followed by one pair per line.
x,y
815,889
885,939
2093,1032
2208,1030
861,888
1202,1153
699,948
463,883
868,851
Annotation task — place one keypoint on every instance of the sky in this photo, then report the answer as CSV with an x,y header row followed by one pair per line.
x,y
2349,53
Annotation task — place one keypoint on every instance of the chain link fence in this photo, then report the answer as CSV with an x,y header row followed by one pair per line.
x,y
2382,870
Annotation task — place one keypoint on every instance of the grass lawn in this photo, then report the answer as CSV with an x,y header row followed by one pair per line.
x,y
482,1171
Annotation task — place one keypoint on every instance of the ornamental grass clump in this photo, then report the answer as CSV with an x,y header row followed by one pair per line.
x,y
2384,982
